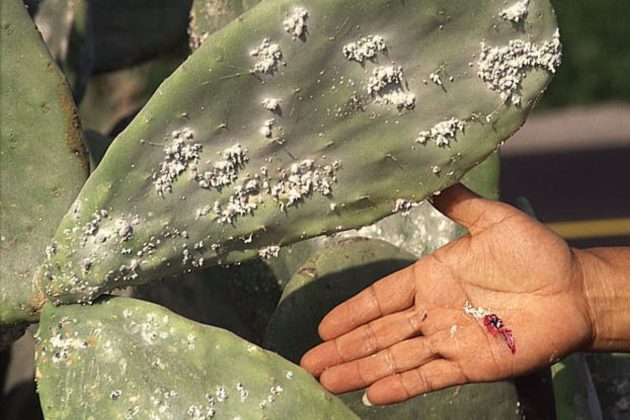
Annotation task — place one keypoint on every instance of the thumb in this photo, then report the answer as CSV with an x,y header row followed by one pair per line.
x,y
470,210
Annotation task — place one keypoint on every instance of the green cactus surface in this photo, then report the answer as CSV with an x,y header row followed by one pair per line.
x,y
335,274
294,122
124,358
42,159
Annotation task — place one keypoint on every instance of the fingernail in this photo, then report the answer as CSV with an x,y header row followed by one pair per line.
x,y
365,401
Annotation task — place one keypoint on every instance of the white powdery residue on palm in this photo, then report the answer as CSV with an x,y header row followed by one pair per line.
x,y
365,48
478,312
442,133
516,12
295,25
180,153
503,68
268,57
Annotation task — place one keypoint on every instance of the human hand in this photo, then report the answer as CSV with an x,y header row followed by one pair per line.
x,y
408,333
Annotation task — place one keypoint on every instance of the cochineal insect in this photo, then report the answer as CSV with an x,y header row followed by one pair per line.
x,y
495,326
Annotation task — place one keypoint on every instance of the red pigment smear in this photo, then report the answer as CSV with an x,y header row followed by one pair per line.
x,y
495,327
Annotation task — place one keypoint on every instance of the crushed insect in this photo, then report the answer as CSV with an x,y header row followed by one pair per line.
x,y
495,326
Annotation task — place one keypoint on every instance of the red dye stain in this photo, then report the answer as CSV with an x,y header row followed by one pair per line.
x,y
495,326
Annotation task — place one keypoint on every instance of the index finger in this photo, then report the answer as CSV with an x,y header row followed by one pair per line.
x,y
388,295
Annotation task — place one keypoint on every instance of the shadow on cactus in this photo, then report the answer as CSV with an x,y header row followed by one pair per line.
x,y
290,122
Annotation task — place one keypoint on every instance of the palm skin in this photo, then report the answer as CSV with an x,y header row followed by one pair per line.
x,y
409,334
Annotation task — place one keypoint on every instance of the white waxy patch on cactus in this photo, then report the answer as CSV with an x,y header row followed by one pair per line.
x,y
477,313
386,87
516,12
271,104
223,172
503,68
221,393
302,179
442,133
61,347
289,375
115,394
295,24
401,100
435,78
124,229
51,250
268,57
403,206
92,226
365,48
179,155
384,76
267,128
243,200
269,252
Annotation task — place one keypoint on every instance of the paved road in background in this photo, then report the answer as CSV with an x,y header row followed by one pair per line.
x,y
574,167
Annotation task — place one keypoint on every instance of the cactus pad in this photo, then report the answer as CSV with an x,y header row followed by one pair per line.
x,y
294,122
124,358
42,159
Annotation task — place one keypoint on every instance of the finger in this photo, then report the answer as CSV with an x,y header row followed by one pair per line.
x,y
357,374
432,376
364,340
470,210
391,294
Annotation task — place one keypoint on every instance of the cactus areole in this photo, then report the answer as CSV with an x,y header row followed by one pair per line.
x,y
302,119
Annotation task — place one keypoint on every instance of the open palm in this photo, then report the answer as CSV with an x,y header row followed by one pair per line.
x,y
409,333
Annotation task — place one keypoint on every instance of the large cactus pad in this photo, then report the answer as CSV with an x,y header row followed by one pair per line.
x,y
124,358
293,122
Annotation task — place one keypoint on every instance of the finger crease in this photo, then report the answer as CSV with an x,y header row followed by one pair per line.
x,y
371,339
390,361
376,301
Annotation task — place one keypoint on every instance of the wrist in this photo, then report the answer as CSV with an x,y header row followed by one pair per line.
x,y
605,282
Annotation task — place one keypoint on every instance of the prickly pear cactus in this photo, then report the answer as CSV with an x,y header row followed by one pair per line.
x,y
124,358
338,272
40,141
293,122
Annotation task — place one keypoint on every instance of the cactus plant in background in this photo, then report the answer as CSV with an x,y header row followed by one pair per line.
x,y
288,121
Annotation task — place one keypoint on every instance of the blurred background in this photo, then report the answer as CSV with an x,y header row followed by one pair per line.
x,y
569,159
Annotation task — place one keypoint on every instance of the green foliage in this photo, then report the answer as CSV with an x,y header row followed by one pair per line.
x,y
596,60
42,159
